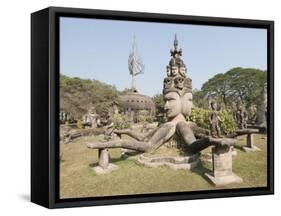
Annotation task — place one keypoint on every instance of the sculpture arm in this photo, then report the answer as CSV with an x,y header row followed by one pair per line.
x,y
197,130
162,135
205,141
130,133
242,132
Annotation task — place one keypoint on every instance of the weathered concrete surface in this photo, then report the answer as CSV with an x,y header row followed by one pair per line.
x,y
176,162
222,167
104,166
250,145
99,170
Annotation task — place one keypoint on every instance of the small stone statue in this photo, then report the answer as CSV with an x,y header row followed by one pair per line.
x,y
63,117
241,116
87,121
109,127
214,120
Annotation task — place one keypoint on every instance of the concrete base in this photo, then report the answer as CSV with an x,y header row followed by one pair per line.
x,y
100,171
250,149
224,180
208,156
234,152
187,163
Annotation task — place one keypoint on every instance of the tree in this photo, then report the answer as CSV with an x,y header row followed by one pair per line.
x,y
78,95
199,99
200,116
237,84
158,100
218,86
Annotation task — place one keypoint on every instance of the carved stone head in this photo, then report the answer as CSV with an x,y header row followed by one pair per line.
x,y
176,104
177,89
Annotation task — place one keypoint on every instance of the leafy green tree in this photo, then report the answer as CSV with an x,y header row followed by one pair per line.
x,y
199,99
218,86
237,84
78,95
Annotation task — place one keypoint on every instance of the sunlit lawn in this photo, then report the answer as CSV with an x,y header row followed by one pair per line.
x,y
77,179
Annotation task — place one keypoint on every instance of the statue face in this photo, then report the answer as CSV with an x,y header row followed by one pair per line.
x,y
175,105
168,71
187,104
183,70
172,104
174,71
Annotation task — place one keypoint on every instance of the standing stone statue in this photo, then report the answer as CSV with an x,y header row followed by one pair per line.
x,y
87,121
241,116
63,117
94,117
109,127
214,120
262,107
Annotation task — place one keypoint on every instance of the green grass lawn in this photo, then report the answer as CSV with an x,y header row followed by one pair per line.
x,y
77,179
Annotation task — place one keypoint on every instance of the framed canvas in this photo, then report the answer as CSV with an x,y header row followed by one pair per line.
x,y
131,107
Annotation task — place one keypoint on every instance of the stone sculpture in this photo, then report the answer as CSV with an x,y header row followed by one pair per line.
x,y
241,116
222,167
262,108
177,91
214,120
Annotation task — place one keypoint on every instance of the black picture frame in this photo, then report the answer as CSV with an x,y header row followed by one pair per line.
x,y
45,106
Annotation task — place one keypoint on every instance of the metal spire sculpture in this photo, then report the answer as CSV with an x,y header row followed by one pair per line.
x,y
135,64
176,52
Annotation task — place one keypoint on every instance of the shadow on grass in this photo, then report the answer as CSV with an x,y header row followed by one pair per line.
x,y
113,160
201,170
240,147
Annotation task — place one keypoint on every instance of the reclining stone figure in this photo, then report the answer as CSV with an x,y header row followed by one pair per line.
x,y
177,93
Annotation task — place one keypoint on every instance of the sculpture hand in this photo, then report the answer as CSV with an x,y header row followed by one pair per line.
x,y
222,141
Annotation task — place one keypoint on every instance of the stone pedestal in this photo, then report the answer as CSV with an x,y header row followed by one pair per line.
x,y
104,166
103,158
174,162
222,167
250,147
233,151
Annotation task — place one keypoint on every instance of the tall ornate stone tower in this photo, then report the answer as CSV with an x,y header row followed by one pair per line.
x,y
177,79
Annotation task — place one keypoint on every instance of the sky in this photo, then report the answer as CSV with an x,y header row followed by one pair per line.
x,y
99,49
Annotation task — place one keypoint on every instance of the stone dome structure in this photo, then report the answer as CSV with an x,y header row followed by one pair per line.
x,y
132,103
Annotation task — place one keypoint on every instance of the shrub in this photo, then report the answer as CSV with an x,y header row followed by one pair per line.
x,y
228,124
120,121
201,118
